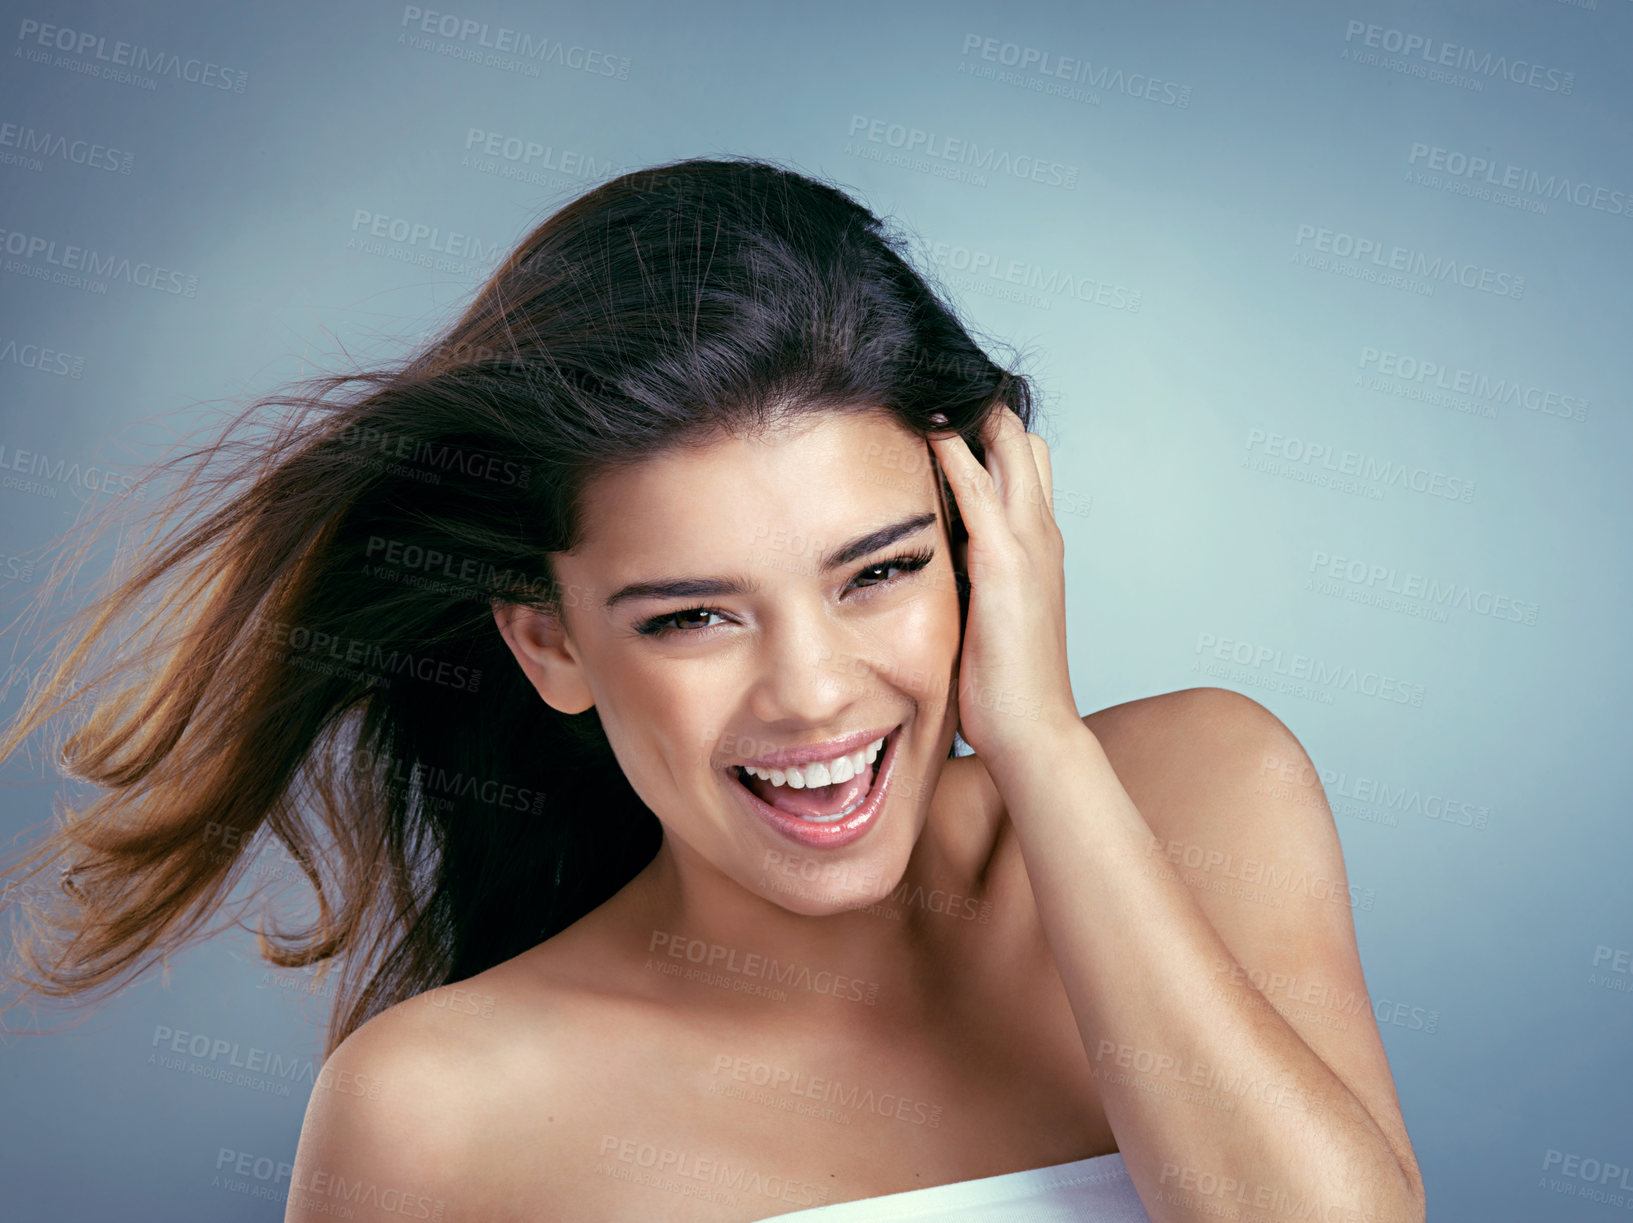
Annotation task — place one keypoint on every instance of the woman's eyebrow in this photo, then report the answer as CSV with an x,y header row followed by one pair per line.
x,y
703,588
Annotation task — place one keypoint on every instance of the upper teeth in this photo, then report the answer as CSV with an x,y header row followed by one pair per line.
x,y
821,772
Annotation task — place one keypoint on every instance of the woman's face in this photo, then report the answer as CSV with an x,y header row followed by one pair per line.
x,y
781,591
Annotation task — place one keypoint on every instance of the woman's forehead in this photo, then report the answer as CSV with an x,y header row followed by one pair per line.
x,y
829,471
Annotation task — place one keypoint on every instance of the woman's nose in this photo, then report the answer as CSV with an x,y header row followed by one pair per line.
x,y
808,673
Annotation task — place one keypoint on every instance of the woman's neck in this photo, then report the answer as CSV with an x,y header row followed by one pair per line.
x,y
695,924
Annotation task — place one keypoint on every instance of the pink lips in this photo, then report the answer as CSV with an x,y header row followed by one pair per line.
x,y
842,746
843,832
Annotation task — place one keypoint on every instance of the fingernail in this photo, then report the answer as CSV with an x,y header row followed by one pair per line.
x,y
937,418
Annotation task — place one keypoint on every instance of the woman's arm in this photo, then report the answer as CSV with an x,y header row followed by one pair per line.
x,y
1220,1103
1277,1102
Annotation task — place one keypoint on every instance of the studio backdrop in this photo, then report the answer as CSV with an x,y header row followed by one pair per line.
x,y
1329,307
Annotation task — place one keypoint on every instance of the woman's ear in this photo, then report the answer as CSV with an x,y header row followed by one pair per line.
x,y
545,653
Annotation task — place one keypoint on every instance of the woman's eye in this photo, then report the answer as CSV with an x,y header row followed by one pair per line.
x,y
660,626
881,565
695,614
907,564
872,575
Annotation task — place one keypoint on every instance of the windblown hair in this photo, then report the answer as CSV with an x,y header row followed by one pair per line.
x,y
305,648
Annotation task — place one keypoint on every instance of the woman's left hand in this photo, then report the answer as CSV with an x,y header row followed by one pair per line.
x,y
1013,685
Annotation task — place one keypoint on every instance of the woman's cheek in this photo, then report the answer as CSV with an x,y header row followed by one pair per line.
x,y
925,646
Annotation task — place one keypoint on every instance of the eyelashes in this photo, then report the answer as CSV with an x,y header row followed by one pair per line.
x,y
660,626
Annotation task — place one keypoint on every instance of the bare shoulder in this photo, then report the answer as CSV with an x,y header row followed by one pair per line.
x,y
1215,773
391,1108
1237,811
1160,746
1186,710
1164,745
411,1116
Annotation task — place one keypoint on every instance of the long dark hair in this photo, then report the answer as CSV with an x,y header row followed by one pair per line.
x,y
306,646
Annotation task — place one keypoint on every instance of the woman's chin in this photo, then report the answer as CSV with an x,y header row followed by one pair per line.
x,y
812,887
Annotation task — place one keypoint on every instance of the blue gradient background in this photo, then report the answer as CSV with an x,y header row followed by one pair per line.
x,y
1175,540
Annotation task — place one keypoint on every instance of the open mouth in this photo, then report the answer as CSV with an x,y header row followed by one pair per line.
x,y
834,808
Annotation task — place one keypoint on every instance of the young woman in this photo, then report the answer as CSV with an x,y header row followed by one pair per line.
x,y
601,666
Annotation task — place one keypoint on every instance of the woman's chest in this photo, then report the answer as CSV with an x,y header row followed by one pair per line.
x,y
745,1113
744,1121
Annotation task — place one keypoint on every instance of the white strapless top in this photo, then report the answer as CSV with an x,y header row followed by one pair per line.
x,y
1093,1190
